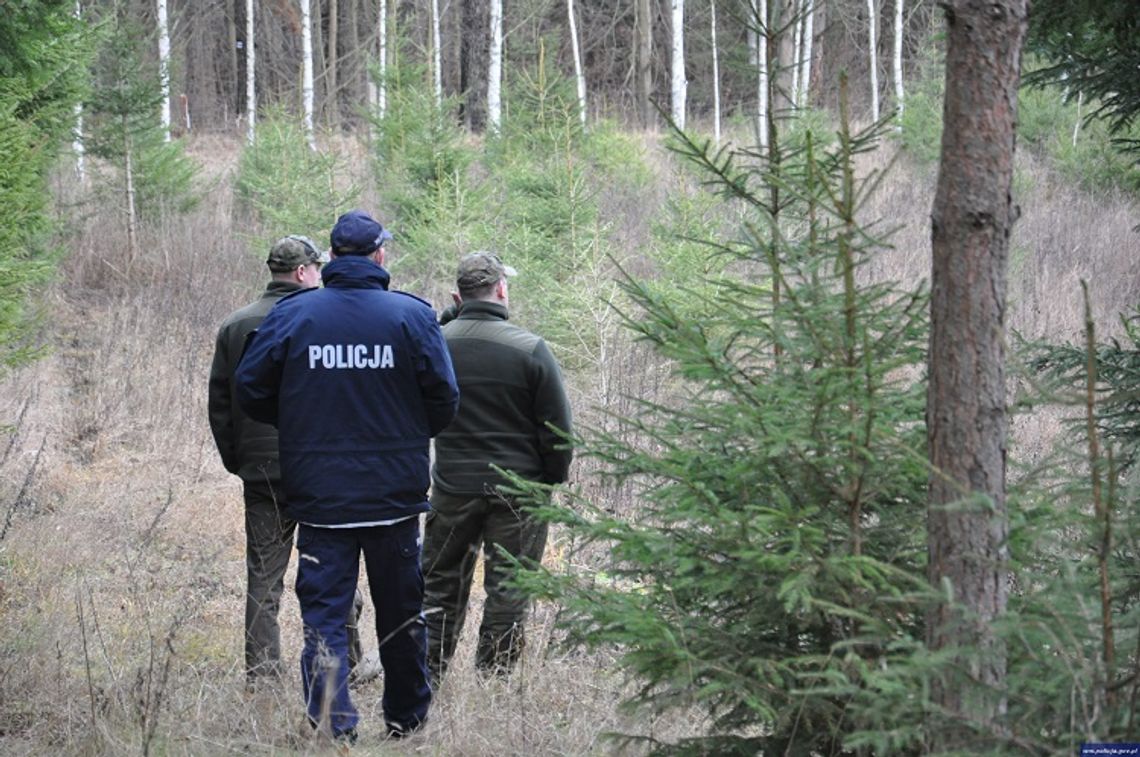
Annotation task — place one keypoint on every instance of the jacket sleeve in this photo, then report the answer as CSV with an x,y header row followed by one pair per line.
x,y
551,409
258,376
436,377
220,403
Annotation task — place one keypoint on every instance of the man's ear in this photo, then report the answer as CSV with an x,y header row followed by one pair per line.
x,y
378,256
456,299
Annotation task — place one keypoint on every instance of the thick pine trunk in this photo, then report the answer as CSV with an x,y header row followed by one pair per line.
x,y
966,404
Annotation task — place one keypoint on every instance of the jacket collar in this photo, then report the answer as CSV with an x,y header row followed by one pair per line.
x,y
482,310
355,272
280,288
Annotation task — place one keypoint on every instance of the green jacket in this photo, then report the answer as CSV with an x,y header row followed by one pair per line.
x,y
510,387
248,448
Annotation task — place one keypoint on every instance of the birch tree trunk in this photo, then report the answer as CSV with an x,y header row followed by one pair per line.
x,y
972,216
644,62
250,81
873,54
715,73
898,69
436,56
495,69
129,178
809,36
307,72
760,18
164,66
77,147
678,85
797,52
579,77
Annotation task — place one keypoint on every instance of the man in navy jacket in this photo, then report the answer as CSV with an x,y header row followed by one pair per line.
x,y
357,379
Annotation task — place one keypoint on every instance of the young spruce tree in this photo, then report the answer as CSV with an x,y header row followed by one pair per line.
x,y
771,573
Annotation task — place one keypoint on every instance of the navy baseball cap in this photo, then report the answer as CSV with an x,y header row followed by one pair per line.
x,y
357,233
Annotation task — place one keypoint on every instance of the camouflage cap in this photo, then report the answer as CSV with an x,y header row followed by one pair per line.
x,y
292,251
480,269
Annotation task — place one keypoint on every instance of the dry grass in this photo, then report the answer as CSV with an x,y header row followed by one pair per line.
x,y
121,550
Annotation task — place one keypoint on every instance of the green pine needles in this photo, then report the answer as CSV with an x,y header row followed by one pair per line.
x,y
770,572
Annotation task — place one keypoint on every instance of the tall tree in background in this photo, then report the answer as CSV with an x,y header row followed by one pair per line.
x,y
164,64
900,31
77,138
579,77
972,217
873,56
643,60
715,73
250,72
332,83
382,63
759,34
678,85
436,56
307,72
495,69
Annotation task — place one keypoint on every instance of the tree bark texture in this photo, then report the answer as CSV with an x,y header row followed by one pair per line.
x,y
644,62
966,407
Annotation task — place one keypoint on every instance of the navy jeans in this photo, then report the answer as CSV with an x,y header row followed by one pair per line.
x,y
327,568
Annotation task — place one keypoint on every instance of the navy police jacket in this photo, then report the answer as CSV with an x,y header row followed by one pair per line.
x,y
357,379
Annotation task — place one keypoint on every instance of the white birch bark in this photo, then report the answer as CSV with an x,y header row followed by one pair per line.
x,y
436,56
809,36
77,139
164,66
495,69
760,9
579,76
250,80
797,50
132,215
898,69
715,73
1077,125
677,58
307,72
872,23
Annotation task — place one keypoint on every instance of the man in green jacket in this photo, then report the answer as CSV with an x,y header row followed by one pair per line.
x,y
249,450
510,395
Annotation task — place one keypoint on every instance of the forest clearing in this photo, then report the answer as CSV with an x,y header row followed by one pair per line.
x,y
740,562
